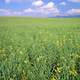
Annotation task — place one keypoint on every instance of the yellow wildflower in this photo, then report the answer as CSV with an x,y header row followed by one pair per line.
x,y
21,52
53,77
25,61
73,72
11,79
59,69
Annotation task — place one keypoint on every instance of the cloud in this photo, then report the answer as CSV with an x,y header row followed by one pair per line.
x,y
28,10
9,12
39,9
14,13
5,12
50,8
39,12
74,0
38,3
12,1
45,9
7,1
73,12
63,3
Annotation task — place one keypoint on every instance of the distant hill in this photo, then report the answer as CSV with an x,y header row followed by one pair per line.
x,y
76,16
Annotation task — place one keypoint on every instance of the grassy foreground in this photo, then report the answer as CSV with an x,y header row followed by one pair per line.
x,y
39,49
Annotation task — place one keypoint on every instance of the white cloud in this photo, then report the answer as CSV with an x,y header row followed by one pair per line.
x,y
50,8
73,12
46,9
50,5
40,9
38,3
7,1
74,0
2,10
63,3
18,13
5,12
9,12
10,1
29,10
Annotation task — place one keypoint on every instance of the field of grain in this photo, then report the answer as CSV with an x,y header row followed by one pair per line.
x,y
39,48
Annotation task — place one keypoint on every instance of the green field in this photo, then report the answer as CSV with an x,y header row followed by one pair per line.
x,y
39,48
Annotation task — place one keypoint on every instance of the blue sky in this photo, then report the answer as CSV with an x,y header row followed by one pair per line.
x,y
39,8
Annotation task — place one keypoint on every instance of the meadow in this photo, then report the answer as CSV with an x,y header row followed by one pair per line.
x,y
39,48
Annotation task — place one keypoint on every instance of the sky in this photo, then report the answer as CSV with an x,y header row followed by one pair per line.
x,y
39,8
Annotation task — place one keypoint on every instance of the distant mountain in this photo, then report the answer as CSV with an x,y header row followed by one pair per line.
x,y
74,16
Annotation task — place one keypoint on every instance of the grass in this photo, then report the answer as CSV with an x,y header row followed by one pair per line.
x,y
39,48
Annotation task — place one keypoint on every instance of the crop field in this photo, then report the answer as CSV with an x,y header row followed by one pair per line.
x,y
39,48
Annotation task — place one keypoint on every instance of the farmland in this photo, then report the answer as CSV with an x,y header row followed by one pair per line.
x,y
39,48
